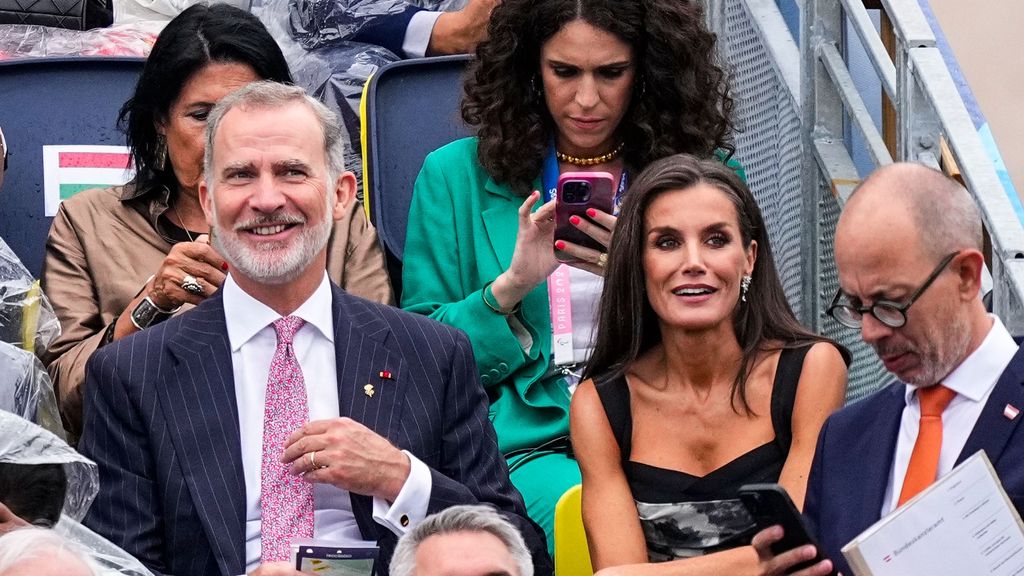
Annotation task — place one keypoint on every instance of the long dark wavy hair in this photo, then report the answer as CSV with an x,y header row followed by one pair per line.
x,y
628,325
200,35
680,102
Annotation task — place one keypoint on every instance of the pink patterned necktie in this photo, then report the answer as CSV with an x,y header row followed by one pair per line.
x,y
286,499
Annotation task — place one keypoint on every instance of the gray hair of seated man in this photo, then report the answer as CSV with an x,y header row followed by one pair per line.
x,y
26,544
267,94
465,518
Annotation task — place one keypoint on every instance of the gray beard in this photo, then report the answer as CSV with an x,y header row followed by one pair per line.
x,y
265,263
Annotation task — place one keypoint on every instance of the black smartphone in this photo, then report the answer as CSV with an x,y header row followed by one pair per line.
x,y
770,504
578,192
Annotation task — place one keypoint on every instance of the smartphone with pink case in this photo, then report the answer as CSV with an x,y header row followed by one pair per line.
x,y
578,192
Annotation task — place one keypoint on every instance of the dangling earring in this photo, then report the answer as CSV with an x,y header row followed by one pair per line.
x,y
160,156
744,286
538,92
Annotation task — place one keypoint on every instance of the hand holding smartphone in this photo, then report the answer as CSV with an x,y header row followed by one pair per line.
x,y
770,504
577,193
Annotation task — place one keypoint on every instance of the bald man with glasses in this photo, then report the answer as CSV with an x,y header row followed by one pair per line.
x,y
908,249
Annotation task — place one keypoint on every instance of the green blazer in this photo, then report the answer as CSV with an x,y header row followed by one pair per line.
x,y
461,235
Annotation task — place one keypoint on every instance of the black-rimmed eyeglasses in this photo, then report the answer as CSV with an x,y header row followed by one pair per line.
x,y
892,314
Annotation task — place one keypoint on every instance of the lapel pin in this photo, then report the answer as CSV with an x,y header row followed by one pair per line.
x,y
1010,411
368,390
385,374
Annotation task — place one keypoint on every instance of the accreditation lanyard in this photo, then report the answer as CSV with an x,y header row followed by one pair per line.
x,y
559,289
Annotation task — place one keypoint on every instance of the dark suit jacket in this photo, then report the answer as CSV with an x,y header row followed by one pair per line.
x,y
161,421
856,447
387,30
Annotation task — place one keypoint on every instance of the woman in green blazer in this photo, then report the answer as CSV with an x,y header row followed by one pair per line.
x,y
560,85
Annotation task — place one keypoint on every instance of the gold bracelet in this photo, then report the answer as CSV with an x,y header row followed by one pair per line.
x,y
496,308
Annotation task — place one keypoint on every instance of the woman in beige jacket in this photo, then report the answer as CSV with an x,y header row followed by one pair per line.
x,y
121,259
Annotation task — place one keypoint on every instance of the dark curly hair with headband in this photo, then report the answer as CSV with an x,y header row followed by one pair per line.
x,y
680,102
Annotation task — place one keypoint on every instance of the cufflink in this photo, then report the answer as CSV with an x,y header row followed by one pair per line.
x,y
404,520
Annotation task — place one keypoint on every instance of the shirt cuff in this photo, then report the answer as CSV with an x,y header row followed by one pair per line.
x,y
417,33
410,507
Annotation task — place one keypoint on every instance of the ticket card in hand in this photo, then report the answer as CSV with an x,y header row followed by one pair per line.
x,y
334,559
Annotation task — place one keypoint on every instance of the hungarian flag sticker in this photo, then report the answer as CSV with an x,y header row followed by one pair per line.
x,y
67,170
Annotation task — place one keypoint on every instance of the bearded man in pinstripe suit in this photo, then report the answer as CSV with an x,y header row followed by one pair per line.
x,y
282,407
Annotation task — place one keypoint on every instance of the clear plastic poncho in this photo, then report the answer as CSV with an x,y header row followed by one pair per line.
x,y
27,327
22,442
319,23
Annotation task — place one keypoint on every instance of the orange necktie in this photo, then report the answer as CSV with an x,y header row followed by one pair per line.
x,y
924,460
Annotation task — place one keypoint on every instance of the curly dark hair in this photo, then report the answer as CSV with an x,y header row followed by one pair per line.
x,y
627,324
680,103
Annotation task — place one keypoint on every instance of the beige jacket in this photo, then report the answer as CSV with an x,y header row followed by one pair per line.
x,y
101,250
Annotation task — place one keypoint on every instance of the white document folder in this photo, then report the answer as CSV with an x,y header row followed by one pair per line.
x,y
962,525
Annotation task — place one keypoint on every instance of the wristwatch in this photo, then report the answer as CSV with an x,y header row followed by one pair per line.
x,y
147,313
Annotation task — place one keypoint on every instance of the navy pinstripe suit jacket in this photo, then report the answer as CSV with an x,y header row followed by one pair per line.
x,y
161,421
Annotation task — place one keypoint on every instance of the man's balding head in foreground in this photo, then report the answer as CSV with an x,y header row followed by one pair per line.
x,y
894,233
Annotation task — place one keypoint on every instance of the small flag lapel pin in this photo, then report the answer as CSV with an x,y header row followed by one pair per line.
x,y
1010,411
368,390
385,375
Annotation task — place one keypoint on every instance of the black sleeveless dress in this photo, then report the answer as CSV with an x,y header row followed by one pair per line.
x,y
684,515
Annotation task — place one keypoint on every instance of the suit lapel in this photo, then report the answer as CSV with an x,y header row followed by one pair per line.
x,y
993,429
371,381
501,221
198,397
870,457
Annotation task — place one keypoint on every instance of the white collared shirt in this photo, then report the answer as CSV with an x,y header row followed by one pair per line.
x,y
253,342
973,381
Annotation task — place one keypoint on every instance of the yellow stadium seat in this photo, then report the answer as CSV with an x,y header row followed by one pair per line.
x,y
572,557
30,317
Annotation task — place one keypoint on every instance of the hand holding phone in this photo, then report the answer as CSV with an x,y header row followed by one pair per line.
x,y
577,193
770,504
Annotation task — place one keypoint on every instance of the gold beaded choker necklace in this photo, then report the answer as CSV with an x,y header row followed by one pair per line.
x,y
591,160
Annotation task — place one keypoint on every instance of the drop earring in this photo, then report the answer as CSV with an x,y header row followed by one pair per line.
x,y
745,286
160,155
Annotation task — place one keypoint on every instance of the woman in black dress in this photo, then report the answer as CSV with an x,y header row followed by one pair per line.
x,y
702,379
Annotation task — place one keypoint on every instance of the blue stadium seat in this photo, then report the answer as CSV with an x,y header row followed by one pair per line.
x,y
47,101
411,108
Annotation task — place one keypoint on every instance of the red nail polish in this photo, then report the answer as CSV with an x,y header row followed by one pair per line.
x,y
224,266
591,212
560,244
574,220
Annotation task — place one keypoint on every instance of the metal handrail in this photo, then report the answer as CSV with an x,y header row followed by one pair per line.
x,y
928,108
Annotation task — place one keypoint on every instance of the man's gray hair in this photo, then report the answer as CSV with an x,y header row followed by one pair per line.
x,y
32,543
267,94
465,518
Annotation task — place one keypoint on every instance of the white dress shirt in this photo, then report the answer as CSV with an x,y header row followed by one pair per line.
x,y
973,381
253,342
417,33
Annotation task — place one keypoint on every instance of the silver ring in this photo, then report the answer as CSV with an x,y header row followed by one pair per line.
x,y
191,285
602,259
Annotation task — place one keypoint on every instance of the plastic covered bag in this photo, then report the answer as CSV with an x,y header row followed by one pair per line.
x,y
22,442
318,23
26,318
26,389
135,39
